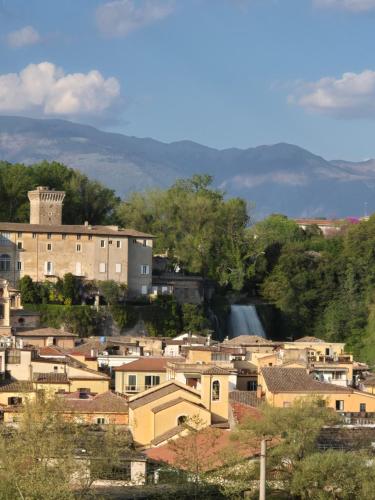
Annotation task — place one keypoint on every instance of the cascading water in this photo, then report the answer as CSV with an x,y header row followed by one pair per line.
x,y
244,320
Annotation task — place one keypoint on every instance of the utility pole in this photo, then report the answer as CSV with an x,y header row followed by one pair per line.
x,y
262,478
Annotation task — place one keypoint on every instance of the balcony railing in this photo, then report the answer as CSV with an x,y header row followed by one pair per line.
x,y
137,388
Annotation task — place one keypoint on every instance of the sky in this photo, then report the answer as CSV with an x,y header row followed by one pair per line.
x,y
224,73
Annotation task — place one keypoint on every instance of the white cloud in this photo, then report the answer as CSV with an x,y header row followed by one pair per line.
x,y
118,18
351,5
45,89
24,36
350,96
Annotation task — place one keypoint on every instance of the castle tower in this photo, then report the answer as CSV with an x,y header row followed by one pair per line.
x,y
46,206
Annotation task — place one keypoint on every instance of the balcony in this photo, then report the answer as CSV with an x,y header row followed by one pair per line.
x,y
134,389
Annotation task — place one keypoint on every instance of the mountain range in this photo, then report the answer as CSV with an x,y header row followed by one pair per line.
x,y
281,178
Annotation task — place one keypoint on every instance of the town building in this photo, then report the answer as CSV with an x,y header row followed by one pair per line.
x,y
46,249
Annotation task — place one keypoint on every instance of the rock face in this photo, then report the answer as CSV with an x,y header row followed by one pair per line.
x,y
279,178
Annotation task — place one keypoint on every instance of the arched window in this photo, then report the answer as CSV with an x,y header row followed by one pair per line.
x,y
4,262
215,390
181,419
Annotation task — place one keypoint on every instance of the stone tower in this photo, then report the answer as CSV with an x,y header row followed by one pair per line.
x,y
46,206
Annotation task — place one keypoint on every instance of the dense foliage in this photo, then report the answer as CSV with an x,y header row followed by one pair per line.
x,y
86,200
200,230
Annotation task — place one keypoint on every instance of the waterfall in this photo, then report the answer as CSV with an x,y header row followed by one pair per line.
x,y
244,320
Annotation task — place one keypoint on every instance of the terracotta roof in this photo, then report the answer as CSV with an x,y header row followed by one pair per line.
x,y
51,351
215,370
280,379
203,368
249,340
44,332
174,402
212,444
146,364
156,393
71,229
50,378
310,339
16,386
107,402
166,436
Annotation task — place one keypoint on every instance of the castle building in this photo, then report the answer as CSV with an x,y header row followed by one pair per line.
x,y
46,249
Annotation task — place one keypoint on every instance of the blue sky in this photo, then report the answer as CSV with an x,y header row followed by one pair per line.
x,y
225,73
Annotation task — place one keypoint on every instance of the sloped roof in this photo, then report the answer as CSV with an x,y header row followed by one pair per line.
x,y
174,402
310,339
248,340
43,332
158,392
107,402
169,434
16,386
71,229
146,364
51,351
50,378
280,379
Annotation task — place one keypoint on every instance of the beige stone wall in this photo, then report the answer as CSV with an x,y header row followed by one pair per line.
x,y
219,408
122,380
100,258
168,418
97,386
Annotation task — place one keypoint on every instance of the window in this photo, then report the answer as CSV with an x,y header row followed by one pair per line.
x,y
14,401
4,262
144,290
102,243
362,407
102,267
19,245
49,247
49,236
118,243
100,420
48,268
78,247
34,236
251,385
132,382
109,242
118,268
19,235
144,243
328,351
13,357
145,269
78,236
19,266
151,380
134,241
55,368
90,237
215,390
339,405
181,419
63,236
5,239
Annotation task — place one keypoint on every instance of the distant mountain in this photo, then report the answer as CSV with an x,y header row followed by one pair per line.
x,y
278,178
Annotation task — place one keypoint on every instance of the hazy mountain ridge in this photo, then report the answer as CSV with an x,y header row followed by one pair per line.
x,y
278,178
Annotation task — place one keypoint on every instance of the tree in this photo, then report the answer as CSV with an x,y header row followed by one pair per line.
x,y
293,432
28,290
193,318
334,475
112,291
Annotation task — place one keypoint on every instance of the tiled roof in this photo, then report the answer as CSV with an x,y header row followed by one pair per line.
x,y
107,402
71,229
369,381
146,364
51,351
203,368
50,378
249,340
215,370
280,379
310,339
167,435
44,332
16,386
160,391
211,443
174,402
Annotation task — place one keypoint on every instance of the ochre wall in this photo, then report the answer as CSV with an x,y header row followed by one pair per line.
x,y
167,419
